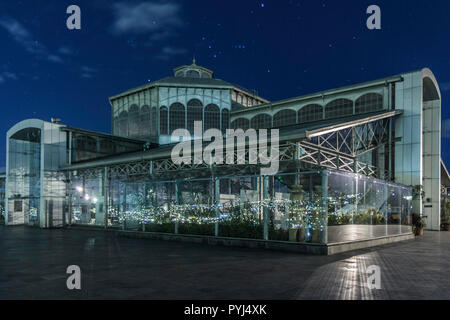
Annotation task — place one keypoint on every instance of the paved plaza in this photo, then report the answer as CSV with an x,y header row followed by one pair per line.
x,y
33,265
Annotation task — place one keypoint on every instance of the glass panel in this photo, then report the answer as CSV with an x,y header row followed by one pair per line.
x,y
212,117
196,213
309,113
163,118
338,108
241,212
361,207
369,102
240,123
177,117
24,177
2,200
284,118
357,207
87,200
296,208
261,121
225,120
194,113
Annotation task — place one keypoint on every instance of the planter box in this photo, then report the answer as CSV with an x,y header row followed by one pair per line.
x,y
315,236
297,235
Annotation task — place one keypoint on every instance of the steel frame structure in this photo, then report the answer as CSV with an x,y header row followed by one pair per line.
x,y
339,150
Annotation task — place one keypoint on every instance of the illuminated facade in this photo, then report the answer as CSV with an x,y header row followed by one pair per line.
x,y
349,161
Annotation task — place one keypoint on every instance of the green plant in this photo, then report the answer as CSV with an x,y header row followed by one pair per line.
x,y
418,224
279,234
445,214
362,218
163,227
240,229
241,221
196,229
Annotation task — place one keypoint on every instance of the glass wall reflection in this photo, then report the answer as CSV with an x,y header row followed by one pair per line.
x,y
308,207
361,207
24,177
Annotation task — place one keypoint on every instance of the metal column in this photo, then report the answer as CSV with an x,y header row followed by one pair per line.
x,y
177,202
324,235
265,209
106,196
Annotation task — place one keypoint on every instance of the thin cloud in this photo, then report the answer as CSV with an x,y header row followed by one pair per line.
x,y
168,52
4,76
23,37
87,72
65,50
54,58
159,20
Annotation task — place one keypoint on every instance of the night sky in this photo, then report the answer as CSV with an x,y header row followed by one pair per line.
x,y
282,49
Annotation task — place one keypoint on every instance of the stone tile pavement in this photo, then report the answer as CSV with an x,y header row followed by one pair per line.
x,y
33,265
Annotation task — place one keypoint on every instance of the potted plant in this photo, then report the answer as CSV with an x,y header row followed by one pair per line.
x,y
316,226
445,214
296,230
418,225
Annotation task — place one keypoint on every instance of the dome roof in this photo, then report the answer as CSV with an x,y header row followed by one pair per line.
x,y
193,71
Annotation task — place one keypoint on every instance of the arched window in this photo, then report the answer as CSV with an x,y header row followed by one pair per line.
x,y
144,122
153,122
192,74
240,123
133,121
177,117
369,102
123,124
116,126
284,118
310,113
339,108
206,75
163,118
194,113
225,120
212,117
261,121
179,74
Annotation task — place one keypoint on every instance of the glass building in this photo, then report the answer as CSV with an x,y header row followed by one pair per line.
x,y
2,195
348,161
318,206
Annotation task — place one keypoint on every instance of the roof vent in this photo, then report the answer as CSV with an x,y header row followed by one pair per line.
x,y
56,120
